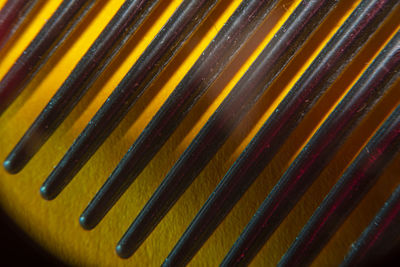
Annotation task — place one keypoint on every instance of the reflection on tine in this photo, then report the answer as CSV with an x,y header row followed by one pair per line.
x,y
375,83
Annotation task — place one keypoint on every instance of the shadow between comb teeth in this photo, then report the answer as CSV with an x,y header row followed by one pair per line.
x,y
260,75
204,72
11,16
121,27
322,147
53,33
188,16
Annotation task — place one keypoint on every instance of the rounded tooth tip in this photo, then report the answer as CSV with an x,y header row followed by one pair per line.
x,y
166,263
85,223
11,167
122,251
44,192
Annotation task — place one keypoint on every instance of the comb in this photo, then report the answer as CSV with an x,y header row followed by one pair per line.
x,y
372,88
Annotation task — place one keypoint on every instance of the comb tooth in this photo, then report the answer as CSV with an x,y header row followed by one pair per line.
x,y
321,148
366,90
262,72
53,33
381,236
179,27
334,57
383,232
126,21
206,69
11,16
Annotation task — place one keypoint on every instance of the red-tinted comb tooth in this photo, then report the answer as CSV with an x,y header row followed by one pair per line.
x,y
54,32
378,245
12,15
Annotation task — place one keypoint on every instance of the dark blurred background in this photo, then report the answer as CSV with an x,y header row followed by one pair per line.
x,y
18,249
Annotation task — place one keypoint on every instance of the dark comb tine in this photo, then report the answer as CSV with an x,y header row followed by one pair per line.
x,y
11,16
204,72
241,174
53,33
260,75
126,21
381,236
323,145
179,27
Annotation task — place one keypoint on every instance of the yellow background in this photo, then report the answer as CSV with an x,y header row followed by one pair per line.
x,y
54,224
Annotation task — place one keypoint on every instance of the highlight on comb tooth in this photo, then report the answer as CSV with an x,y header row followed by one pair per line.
x,y
260,75
53,33
45,192
379,239
321,148
188,16
122,252
10,166
203,73
12,14
107,45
